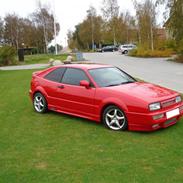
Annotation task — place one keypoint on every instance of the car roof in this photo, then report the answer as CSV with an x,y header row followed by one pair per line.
x,y
127,45
86,66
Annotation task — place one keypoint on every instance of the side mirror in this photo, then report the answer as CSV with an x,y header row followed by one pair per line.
x,y
85,83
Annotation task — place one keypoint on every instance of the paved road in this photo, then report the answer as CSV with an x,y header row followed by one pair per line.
x,y
154,70
22,67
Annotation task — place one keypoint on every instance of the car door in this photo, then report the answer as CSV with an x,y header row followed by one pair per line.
x,y
76,99
50,84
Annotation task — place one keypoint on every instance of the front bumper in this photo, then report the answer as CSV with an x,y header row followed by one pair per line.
x,y
145,121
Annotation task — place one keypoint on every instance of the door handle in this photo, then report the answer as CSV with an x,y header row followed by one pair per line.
x,y
61,86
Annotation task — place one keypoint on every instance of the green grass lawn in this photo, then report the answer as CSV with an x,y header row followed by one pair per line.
x,y
42,58
56,148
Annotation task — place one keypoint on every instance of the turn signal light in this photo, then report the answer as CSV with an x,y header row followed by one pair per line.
x,y
159,116
181,108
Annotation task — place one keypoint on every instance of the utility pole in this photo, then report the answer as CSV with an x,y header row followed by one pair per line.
x,y
65,41
55,31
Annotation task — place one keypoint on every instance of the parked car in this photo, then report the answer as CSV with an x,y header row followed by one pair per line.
x,y
107,94
108,49
124,49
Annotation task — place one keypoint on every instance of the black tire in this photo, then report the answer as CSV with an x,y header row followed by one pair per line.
x,y
117,120
40,103
125,52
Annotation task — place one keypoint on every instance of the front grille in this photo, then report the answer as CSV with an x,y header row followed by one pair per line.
x,y
170,121
168,103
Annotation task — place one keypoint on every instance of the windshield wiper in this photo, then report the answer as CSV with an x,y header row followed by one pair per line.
x,y
126,82
112,85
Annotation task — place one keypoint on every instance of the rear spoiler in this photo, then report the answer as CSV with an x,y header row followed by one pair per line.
x,y
36,73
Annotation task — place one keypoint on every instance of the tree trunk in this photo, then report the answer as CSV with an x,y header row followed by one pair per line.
x,y
152,39
45,39
127,35
114,36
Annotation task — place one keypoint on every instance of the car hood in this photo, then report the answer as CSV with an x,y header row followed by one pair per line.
x,y
145,91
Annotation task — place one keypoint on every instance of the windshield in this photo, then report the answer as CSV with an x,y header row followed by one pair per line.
x,y
110,76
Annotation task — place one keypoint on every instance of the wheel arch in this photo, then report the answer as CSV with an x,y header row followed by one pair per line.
x,y
40,90
117,104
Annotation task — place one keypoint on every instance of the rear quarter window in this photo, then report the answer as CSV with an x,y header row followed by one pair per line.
x,y
55,75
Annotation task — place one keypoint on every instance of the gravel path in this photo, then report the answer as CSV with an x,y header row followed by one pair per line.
x,y
23,67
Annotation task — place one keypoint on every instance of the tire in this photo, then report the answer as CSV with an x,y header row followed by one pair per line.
x,y
125,52
40,103
114,118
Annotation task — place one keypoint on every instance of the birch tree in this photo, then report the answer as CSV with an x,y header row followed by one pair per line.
x,y
110,13
146,19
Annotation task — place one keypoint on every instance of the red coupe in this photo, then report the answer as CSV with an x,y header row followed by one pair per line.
x,y
107,94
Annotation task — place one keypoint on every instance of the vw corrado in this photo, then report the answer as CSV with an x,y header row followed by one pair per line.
x,y
107,94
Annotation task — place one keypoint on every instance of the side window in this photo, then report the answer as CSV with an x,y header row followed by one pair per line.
x,y
55,75
74,76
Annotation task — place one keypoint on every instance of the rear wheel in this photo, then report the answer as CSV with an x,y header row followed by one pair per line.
x,y
40,104
125,52
114,118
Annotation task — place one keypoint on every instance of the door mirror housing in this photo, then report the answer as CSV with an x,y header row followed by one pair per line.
x,y
85,83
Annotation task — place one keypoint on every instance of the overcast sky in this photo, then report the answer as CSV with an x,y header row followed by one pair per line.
x,y
68,12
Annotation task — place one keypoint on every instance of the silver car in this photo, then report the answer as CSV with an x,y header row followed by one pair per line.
x,y
124,49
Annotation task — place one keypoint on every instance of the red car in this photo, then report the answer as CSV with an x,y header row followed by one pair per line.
x,y
107,94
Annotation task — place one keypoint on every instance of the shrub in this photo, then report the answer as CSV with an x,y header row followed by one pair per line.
x,y
180,47
179,58
149,53
171,44
7,55
166,44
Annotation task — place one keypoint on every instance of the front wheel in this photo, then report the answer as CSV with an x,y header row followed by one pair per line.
x,y
40,104
114,118
125,52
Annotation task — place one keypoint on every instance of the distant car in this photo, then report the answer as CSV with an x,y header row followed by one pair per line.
x,y
108,49
107,94
124,49
99,50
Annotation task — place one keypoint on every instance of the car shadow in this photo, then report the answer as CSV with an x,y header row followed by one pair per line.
x,y
100,125
78,119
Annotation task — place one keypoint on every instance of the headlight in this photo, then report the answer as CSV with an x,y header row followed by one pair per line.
x,y
178,99
155,106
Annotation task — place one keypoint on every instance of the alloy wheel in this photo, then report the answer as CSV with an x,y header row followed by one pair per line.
x,y
40,103
115,119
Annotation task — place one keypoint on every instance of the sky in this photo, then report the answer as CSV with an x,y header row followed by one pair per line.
x,y
68,12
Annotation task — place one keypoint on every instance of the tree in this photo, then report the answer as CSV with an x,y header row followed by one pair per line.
x,y
146,18
44,20
175,17
35,31
91,14
12,30
110,13
87,33
22,32
51,49
27,32
70,38
103,31
1,30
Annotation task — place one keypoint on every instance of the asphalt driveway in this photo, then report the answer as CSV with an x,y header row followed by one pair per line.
x,y
154,70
